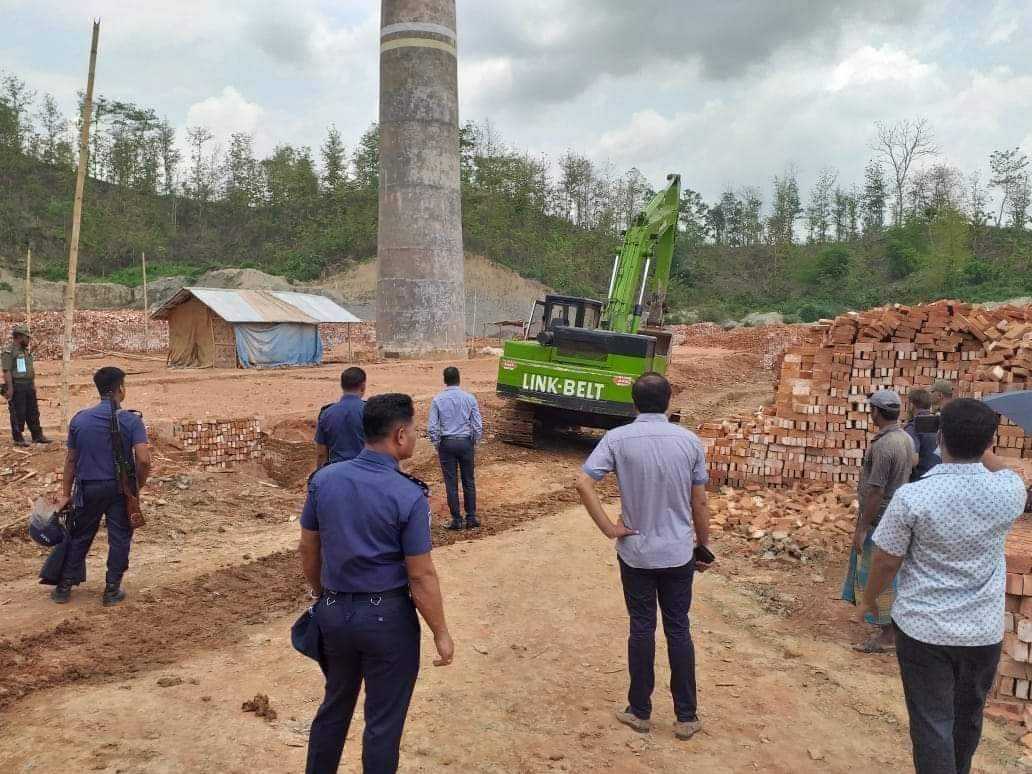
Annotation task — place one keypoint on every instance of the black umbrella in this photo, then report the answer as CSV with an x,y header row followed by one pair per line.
x,y
1016,406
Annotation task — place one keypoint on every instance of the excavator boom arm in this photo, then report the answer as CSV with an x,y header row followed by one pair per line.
x,y
641,272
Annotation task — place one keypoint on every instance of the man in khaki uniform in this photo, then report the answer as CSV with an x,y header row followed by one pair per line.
x,y
20,387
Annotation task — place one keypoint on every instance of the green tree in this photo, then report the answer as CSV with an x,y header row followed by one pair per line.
x,y
366,159
201,180
1007,170
54,146
334,162
243,173
692,219
819,211
786,209
15,120
873,200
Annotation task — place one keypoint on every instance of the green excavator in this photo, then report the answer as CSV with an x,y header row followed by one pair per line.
x,y
578,357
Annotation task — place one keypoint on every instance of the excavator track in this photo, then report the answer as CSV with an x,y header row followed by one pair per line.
x,y
516,424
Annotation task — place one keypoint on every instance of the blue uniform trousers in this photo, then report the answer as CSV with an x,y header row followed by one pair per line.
x,y
99,498
378,644
672,586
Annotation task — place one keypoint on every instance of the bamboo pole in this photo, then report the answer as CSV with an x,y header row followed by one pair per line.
x,y
73,244
28,289
146,308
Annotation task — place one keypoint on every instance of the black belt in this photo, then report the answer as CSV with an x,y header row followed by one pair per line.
x,y
366,597
455,437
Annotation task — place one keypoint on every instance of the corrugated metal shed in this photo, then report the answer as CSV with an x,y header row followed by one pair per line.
x,y
261,306
320,308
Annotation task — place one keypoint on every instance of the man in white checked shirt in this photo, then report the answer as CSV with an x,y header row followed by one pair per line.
x,y
945,536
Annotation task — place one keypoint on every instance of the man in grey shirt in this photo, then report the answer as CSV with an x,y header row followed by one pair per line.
x,y
664,516
886,467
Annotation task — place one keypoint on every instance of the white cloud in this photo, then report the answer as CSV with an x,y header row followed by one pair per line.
x,y
1003,22
869,65
647,134
481,79
225,114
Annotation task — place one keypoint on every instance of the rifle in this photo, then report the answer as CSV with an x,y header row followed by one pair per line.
x,y
125,470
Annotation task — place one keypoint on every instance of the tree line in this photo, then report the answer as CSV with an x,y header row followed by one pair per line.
x,y
193,204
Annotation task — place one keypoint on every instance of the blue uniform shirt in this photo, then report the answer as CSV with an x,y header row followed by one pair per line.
x,y
89,434
369,518
340,428
454,412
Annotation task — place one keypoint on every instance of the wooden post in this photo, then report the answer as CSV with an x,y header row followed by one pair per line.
x,y
28,289
73,243
146,308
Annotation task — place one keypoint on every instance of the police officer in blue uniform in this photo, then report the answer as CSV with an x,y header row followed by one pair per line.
x,y
338,434
90,467
365,550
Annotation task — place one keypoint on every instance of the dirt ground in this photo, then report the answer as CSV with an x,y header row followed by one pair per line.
x,y
157,684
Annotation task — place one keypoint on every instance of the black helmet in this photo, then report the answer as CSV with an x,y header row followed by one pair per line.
x,y
48,533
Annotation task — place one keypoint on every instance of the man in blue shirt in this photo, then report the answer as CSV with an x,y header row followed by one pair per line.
x,y
365,551
455,428
661,469
89,474
338,434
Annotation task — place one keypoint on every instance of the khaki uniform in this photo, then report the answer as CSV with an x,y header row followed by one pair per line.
x,y
19,362
22,403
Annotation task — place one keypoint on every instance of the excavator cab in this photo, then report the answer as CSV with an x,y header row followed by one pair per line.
x,y
562,312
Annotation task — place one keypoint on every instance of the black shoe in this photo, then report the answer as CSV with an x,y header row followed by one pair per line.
x,y
113,594
42,440
62,593
23,443
472,522
456,524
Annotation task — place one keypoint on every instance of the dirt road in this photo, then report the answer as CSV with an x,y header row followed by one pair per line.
x,y
541,631
156,685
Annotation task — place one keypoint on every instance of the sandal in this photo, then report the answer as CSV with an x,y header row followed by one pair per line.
x,y
873,646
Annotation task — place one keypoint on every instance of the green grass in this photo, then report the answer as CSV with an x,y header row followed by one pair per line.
x,y
133,275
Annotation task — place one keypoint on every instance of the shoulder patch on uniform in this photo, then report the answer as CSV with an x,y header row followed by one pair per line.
x,y
421,484
325,407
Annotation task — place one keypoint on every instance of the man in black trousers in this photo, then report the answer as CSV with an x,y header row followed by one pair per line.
x,y
455,428
944,536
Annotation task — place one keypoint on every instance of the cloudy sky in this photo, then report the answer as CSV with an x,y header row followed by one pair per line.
x,y
728,93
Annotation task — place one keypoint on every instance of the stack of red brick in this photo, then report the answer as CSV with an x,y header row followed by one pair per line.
x,y
220,442
1011,692
818,427
362,335
123,330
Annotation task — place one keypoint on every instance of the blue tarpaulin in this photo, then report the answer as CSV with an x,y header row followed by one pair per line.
x,y
267,345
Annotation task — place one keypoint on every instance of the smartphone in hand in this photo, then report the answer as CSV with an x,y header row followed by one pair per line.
x,y
703,555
